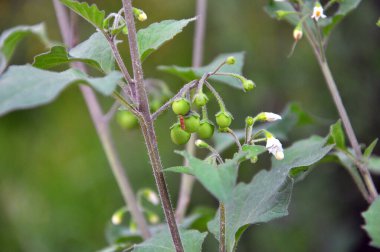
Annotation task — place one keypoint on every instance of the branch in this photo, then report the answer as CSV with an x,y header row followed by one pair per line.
x,y
103,131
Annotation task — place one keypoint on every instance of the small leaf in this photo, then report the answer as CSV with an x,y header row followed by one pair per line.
x,y
10,38
192,241
374,164
267,196
274,6
27,87
91,13
219,180
337,135
156,34
95,52
58,56
189,73
368,151
372,220
253,150
345,7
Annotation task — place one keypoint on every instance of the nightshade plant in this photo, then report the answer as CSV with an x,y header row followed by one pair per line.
x,y
140,101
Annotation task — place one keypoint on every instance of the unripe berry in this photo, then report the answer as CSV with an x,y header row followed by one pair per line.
x,y
192,122
181,106
231,60
200,99
206,129
155,105
223,119
178,135
248,85
126,119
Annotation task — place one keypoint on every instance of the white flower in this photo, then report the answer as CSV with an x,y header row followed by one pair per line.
x,y
153,198
274,147
318,12
142,16
271,117
117,218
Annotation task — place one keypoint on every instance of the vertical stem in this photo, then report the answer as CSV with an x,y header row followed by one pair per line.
x,y
147,126
102,129
187,181
222,228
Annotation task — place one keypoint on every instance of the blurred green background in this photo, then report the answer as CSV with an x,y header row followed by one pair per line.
x,y
57,192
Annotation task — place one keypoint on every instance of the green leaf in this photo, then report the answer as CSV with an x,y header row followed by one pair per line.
x,y
345,7
11,37
156,34
190,73
292,116
192,241
253,150
378,23
372,222
91,13
273,7
25,86
267,196
337,135
368,151
95,52
58,56
219,180
374,165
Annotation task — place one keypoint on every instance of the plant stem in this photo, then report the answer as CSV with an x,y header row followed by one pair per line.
x,y
362,167
187,181
222,228
102,127
147,126
235,137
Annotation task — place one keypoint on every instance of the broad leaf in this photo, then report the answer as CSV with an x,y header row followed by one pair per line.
x,y
190,73
345,7
91,13
267,196
372,220
58,55
274,6
25,86
192,241
219,180
95,52
292,116
11,37
155,35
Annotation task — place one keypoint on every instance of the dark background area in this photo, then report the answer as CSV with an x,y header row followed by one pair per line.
x,y
57,192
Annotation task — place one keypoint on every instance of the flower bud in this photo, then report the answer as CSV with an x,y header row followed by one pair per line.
x,y
297,32
139,14
248,85
268,117
230,60
153,197
249,121
200,99
117,217
153,218
274,147
201,144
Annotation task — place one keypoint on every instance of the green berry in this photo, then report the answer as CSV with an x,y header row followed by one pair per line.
x,y
178,135
126,119
155,105
223,119
192,122
206,129
231,60
200,99
248,85
181,106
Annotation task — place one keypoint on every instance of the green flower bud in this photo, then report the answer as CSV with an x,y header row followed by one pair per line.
x,y
126,119
249,121
181,106
206,129
223,119
178,135
231,60
200,99
201,144
248,85
192,122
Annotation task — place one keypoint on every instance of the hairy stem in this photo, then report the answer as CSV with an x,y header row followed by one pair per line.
x,y
187,181
102,129
222,228
147,126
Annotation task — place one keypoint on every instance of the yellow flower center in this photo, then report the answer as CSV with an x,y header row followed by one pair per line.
x,y
317,13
